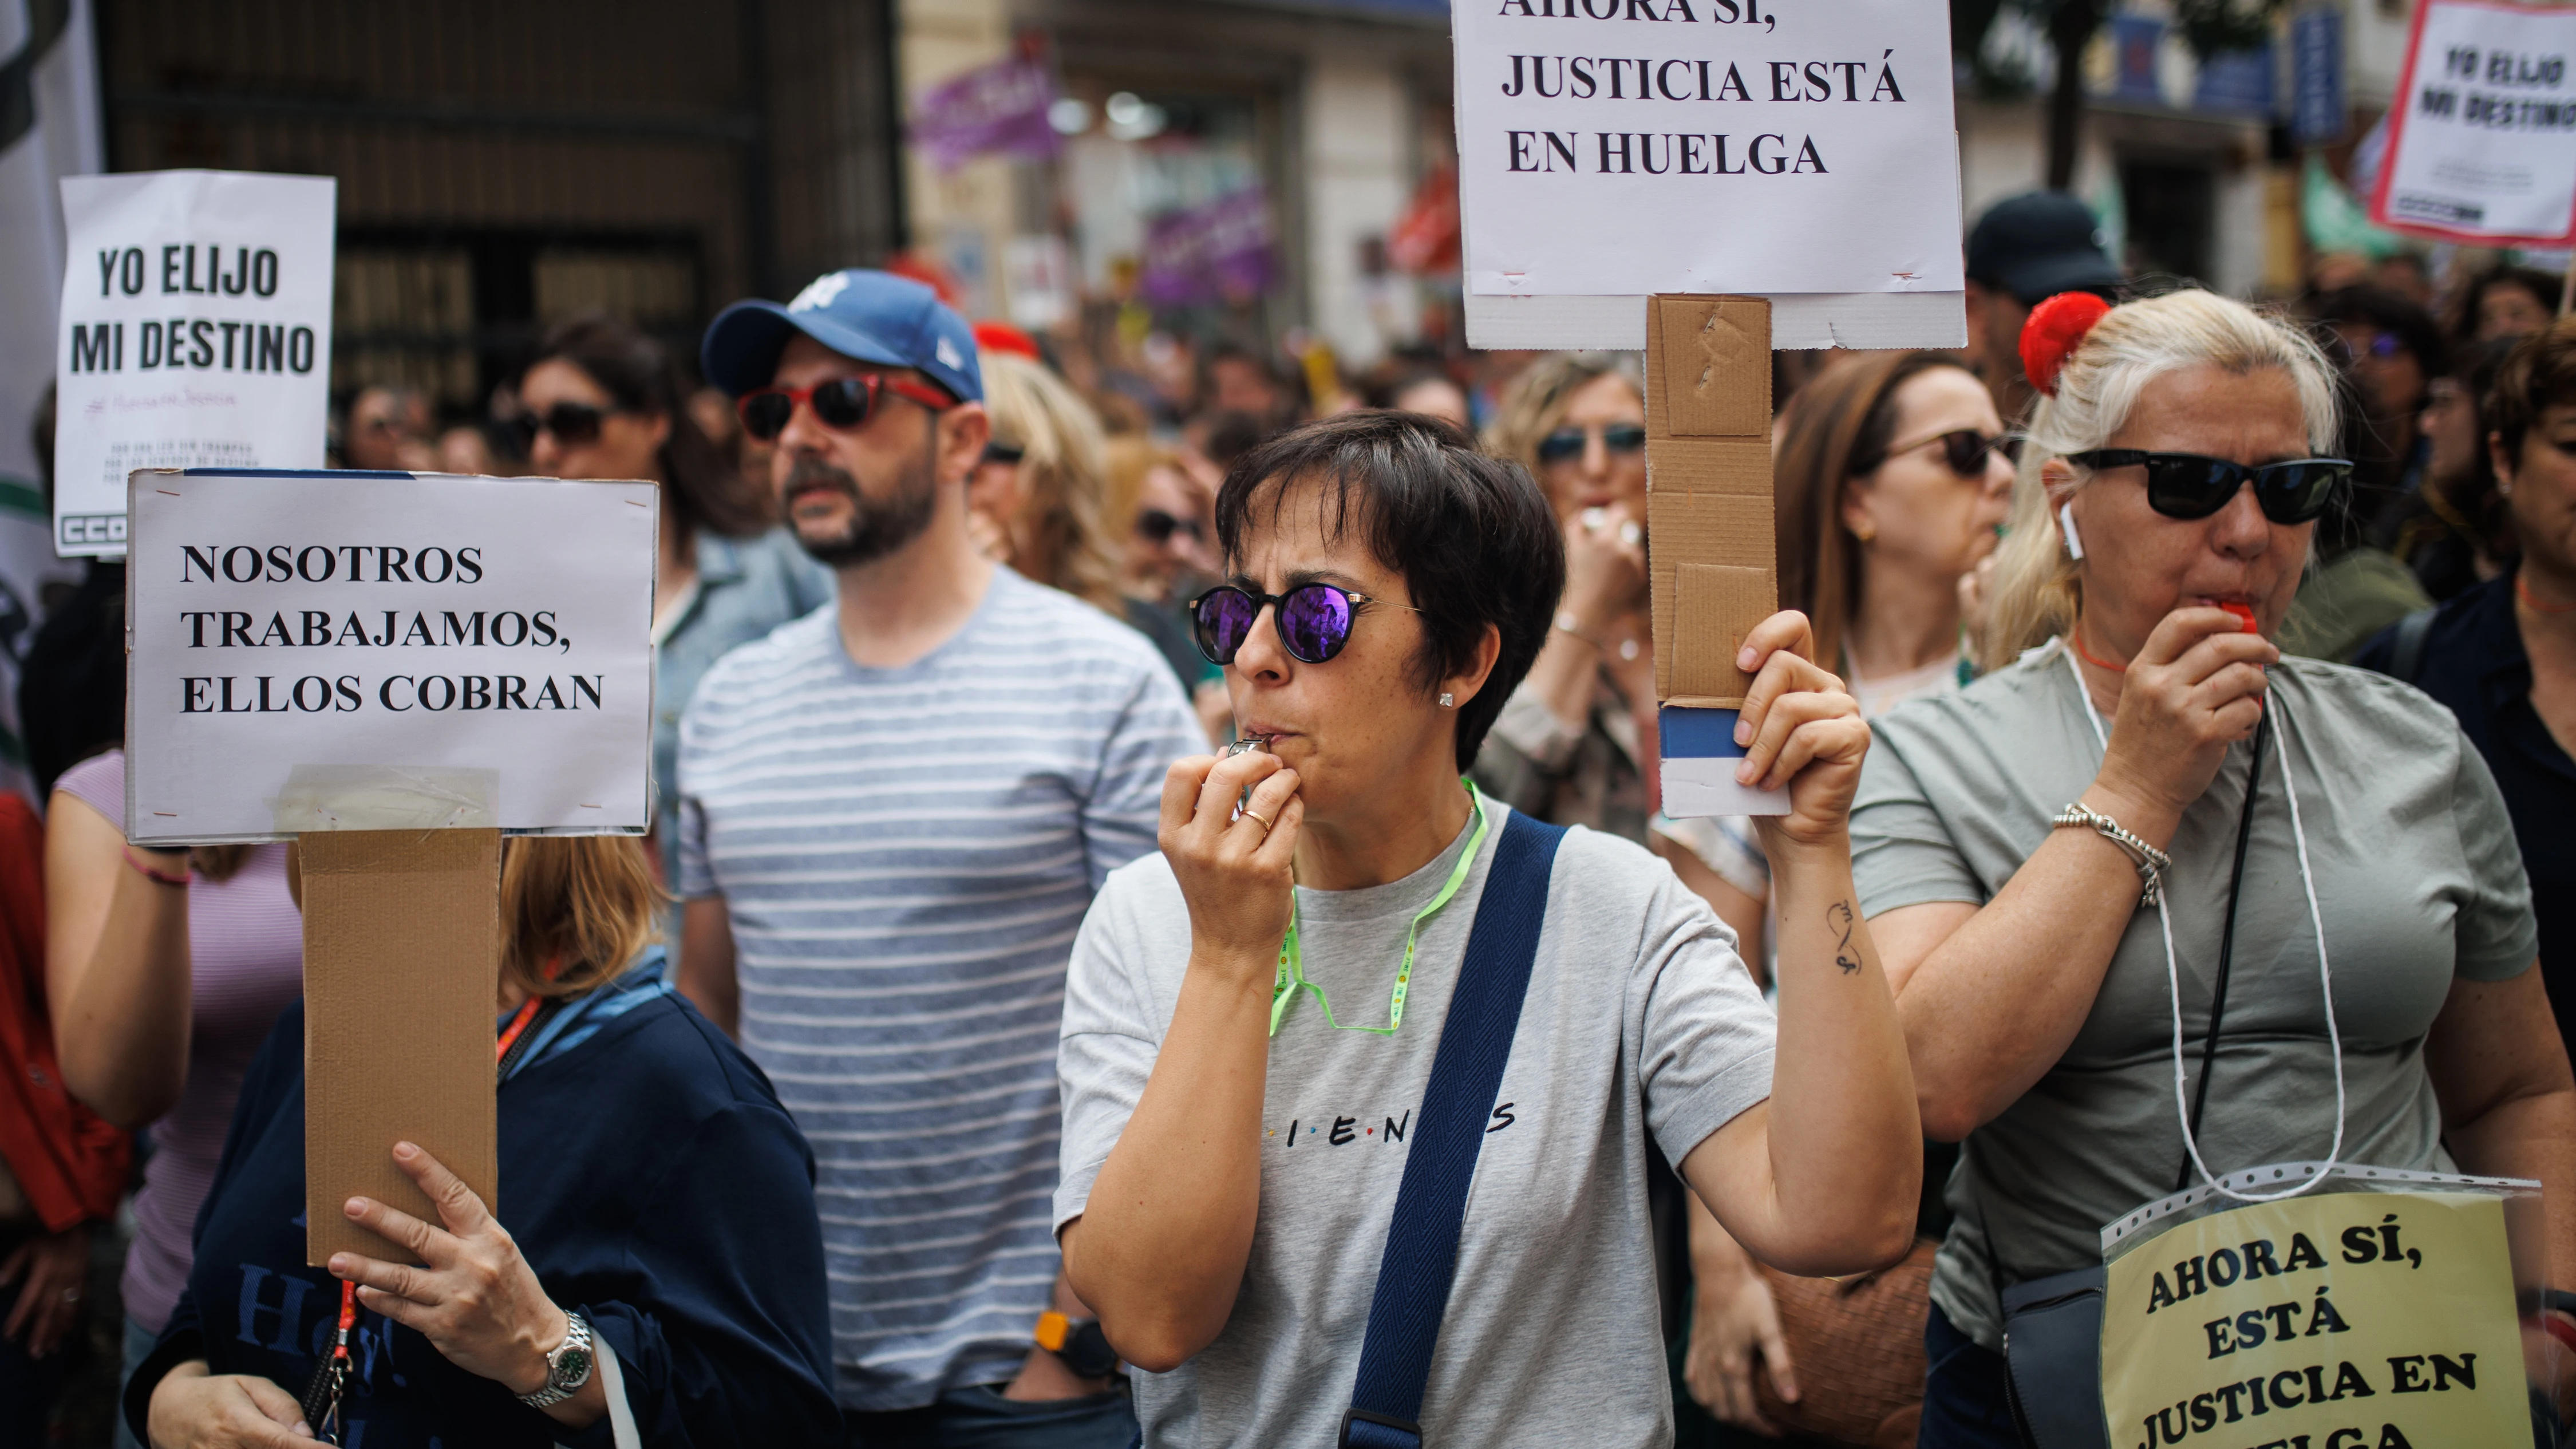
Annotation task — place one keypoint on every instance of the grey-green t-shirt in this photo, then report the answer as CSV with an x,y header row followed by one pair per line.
x,y
1640,1017
2417,878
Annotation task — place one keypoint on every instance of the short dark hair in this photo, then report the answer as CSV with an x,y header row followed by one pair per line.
x,y
2539,374
2472,294
2385,311
636,370
1472,535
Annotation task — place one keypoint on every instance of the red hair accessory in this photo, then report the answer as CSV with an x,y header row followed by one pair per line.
x,y
1003,337
2054,329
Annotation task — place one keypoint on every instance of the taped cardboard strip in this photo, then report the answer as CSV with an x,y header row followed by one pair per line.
x,y
402,957
1714,368
1699,759
1798,320
1714,607
387,797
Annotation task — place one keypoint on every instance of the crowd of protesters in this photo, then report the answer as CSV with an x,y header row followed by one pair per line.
x,y
1056,764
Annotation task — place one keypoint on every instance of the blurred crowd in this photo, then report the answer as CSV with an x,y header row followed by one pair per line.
x,y
1895,478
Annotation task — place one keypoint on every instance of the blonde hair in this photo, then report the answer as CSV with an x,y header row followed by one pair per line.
x,y
576,910
1130,458
2037,588
1536,401
1057,538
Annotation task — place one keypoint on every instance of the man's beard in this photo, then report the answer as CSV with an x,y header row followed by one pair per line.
x,y
875,529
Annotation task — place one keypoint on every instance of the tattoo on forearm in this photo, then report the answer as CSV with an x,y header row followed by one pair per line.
x,y
1838,918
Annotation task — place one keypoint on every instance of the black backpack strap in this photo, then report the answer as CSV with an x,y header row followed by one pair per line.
x,y
1413,1276
2406,650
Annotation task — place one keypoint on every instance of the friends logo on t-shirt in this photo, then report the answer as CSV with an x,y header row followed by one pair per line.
x,y
1340,1131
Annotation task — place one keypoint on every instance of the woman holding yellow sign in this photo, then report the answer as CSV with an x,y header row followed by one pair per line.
x,y
2145,826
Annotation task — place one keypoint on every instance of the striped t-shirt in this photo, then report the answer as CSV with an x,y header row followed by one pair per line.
x,y
906,855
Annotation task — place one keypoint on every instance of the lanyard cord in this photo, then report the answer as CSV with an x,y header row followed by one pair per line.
x,y
2226,943
2173,970
1292,960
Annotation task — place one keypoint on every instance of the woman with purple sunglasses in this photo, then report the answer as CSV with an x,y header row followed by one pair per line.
x,y
1257,1061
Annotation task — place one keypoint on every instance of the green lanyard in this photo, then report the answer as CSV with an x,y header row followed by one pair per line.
x,y
1292,962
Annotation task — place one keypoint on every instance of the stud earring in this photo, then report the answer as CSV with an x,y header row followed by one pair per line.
x,y
1865,532
1447,700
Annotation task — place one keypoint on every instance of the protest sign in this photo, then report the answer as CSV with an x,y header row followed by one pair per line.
x,y
1711,566
2482,140
2340,1320
317,648
195,332
393,670
1618,148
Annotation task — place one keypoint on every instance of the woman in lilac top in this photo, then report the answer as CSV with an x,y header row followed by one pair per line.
x,y
165,970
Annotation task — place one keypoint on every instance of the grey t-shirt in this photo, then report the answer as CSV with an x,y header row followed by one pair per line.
x,y
2417,878
1640,1017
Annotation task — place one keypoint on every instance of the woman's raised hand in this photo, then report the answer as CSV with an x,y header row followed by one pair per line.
x,y
2195,687
1234,872
1799,728
1605,565
477,1302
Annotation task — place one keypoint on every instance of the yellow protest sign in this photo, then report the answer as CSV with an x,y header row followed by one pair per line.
x,y
2351,1320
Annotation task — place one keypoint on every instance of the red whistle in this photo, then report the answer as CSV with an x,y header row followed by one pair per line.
x,y
2244,617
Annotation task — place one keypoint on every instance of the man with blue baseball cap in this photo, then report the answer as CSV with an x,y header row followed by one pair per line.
x,y
893,815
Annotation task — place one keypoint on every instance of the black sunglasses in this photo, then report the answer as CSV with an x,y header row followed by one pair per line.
x,y
1966,450
1566,444
2187,485
572,423
1157,527
1314,620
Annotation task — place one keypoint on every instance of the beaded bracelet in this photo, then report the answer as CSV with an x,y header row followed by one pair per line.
x,y
2152,863
161,876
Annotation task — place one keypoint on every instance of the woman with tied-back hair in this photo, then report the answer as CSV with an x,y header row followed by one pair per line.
x,y
603,399
2011,843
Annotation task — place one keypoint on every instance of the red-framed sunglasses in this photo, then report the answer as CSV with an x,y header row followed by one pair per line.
x,y
840,403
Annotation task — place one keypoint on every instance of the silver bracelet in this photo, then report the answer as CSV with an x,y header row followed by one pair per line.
x,y
2151,862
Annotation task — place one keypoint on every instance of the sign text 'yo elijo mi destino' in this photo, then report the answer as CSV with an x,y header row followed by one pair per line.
x,y
2482,139
195,332
393,671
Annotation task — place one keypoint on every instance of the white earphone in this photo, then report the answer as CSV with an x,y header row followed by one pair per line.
x,y
2066,526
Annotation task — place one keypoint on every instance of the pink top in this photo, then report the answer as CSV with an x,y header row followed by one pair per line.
x,y
246,960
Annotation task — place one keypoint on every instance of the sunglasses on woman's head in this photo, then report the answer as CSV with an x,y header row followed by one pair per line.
x,y
1965,450
1566,444
572,423
839,403
1314,620
2187,485
1157,527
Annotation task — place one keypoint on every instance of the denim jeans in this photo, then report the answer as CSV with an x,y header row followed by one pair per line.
x,y
979,1417
138,1345
1963,1392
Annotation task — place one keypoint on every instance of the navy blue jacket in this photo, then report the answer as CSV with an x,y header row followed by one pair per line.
x,y
650,1178
2473,662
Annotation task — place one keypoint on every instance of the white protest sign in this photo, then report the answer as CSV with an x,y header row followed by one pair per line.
x,y
1627,147
195,332
2482,142
312,650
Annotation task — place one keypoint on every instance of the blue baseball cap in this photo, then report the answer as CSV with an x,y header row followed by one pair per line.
x,y
861,314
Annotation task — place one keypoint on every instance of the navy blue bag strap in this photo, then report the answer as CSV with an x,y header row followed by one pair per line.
x,y
1431,1203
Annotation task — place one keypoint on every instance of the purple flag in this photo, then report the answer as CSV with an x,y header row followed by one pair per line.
x,y
1219,251
1000,108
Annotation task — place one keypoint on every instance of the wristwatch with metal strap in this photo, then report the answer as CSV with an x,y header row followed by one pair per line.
x,y
567,1367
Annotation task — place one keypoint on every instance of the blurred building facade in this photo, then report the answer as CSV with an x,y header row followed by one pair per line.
x,y
2196,163
501,166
